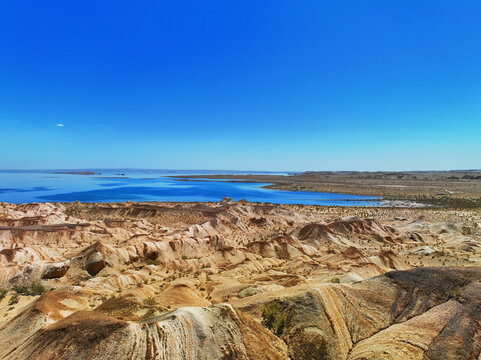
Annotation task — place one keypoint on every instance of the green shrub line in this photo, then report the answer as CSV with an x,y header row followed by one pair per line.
x,y
34,289
442,202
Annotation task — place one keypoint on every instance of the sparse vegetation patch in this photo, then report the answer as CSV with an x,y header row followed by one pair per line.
x,y
273,318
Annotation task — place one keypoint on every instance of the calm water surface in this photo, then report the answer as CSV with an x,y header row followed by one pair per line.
x,y
153,185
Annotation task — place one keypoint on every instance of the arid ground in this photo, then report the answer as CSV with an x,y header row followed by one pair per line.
x,y
461,188
239,280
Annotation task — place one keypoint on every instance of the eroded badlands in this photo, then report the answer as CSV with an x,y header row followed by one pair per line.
x,y
238,280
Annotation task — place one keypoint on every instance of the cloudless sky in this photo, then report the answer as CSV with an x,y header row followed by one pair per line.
x,y
248,85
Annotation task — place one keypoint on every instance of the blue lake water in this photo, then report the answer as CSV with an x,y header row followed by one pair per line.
x,y
153,185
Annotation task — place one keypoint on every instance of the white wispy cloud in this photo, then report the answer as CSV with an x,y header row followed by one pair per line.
x,y
59,125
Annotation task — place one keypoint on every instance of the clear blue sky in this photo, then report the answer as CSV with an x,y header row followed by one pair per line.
x,y
257,85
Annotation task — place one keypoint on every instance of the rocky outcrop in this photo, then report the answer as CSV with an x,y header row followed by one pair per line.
x,y
94,263
187,333
227,201
56,270
424,313
341,230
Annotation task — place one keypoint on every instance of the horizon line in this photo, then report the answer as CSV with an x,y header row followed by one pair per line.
x,y
236,170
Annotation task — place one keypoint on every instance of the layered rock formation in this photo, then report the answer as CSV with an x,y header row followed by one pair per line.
x,y
195,281
424,313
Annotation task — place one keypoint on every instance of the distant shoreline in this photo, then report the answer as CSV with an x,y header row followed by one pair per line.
x,y
453,189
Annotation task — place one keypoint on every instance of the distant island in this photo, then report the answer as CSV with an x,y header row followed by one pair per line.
x,y
77,172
